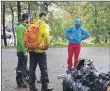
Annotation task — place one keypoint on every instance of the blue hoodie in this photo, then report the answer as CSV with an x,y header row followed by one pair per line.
x,y
76,35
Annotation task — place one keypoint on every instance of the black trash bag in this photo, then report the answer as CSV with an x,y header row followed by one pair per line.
x,y
91,79
67,82
96,85
71,84
106,80
77,86
83,67
86,78
80,64
84,62
76,74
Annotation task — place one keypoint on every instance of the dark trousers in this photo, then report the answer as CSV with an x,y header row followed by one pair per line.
x,y
40,59
21,66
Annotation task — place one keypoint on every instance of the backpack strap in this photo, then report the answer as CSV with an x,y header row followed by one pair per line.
x,y
39,30
43,34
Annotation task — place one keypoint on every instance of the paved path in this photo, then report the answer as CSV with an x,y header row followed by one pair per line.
x,y
57,58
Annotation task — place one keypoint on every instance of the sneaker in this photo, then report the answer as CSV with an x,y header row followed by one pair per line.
x,y
48,89
39,80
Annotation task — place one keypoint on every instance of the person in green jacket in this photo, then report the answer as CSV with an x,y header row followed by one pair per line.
x,y
21,51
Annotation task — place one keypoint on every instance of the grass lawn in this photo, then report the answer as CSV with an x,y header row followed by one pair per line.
x,y
60,45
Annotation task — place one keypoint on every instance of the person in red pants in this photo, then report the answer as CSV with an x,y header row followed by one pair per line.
x,y
75,34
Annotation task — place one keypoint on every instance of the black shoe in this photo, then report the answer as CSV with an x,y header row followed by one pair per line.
x,y
22,85
68,71
39,80
33,88
48,89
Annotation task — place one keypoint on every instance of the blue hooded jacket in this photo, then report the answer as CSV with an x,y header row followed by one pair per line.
x,y
76,35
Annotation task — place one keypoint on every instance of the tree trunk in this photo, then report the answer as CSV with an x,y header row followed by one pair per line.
x,y
95,14
2,24
4,33
19,10
46,7
106,40
12,12
29,10
95,22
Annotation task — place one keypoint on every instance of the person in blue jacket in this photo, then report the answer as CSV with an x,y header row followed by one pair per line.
x,y
75,34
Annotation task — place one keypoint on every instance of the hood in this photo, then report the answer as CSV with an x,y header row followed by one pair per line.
x,y
78,21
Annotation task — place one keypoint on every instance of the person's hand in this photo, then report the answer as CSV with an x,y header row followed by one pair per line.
x,y
26,54
25,46
40,47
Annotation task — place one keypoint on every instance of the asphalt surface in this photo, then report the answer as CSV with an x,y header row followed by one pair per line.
x,y
57,65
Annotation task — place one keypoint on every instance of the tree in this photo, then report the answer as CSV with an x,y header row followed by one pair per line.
x,y
29,10
4,33
96,15
12,13
44,6
57,27
19,10
71,7
107,14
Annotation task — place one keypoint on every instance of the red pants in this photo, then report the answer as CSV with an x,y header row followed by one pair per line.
x,y
73,49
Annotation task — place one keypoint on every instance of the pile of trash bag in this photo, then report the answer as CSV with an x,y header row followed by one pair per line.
x,y
86,78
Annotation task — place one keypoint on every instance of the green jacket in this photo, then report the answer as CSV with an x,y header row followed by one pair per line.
x,y
21,28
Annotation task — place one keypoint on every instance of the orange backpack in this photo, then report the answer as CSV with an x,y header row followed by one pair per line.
x,y
31,35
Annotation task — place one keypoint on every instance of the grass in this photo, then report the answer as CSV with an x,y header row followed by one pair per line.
x,y
62,45
103,44
97,45
7,47
84,45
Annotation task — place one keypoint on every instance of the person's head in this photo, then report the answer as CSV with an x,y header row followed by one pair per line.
x,y
25,17
78,23
43,16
